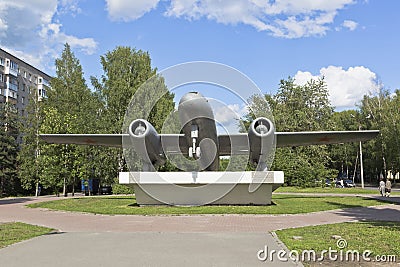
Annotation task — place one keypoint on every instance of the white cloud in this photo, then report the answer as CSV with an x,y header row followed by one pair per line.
x,y
34,60
129,10
349,24
53,33
226,114
69,7
31,26
3,28
346,87
280,18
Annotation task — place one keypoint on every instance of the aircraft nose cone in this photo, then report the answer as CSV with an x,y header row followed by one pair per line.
x,y
190,96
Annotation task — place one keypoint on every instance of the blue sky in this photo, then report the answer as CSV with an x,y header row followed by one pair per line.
x,y
353,43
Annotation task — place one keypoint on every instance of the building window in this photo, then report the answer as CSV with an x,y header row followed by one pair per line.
x,y
13,84
23,87
1,78
1,61
13,87
14,65
23,100
22,112
25,74
30,77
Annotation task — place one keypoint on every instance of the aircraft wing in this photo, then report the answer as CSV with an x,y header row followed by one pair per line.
x,y
111,140
172,143
290,139
234,144
287,139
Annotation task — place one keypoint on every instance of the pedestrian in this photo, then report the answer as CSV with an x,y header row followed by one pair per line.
x,y
382,187
388,188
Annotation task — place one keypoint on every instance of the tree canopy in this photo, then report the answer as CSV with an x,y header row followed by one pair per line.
x,y
72,107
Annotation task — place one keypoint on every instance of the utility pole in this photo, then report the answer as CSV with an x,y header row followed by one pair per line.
x,y
361,167
361,155
361,163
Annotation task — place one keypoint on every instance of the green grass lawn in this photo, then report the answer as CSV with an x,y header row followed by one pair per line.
x,y
330,190
382,238
11,233
283,204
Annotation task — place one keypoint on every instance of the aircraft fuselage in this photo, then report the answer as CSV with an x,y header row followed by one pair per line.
x,y
198,125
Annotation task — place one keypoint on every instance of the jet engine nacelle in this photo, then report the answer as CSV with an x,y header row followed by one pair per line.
x,y
261,140
146,142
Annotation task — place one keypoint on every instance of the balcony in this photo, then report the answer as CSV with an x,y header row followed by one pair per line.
x,y
11,68
10,71
42,82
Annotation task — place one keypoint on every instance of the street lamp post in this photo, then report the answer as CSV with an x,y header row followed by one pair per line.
x,y
361,155
361,163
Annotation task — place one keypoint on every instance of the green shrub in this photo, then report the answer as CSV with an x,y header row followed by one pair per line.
x,y
121,189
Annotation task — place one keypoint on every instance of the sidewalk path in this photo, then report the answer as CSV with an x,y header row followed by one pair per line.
x,y
395,199
15,210
132,240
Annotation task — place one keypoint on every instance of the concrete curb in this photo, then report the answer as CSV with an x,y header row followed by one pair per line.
x,y
284,247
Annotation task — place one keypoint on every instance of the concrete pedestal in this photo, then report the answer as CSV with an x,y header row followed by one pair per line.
x,y
203,188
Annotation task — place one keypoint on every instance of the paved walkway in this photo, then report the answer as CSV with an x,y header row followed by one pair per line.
x,y
130,240
15,210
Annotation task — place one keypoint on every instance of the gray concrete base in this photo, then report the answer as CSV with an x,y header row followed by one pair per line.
x,y
200,188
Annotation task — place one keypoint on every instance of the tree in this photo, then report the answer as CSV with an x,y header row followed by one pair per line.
x,y
125,70
70,108
9,183
381,111
301,108
28,156
344,157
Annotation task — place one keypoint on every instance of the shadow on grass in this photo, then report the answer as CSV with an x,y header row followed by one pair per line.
x,y
112,197
55,232
349,206
291,196
15,200
342,205
394,200
376,213
384,224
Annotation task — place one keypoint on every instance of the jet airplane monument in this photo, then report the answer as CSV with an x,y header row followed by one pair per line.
x,y
200,143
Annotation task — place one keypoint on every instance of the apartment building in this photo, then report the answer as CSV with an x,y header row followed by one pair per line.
x,y
17,78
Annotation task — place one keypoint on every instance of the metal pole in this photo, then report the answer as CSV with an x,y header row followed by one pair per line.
x,y
361,163
355,168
